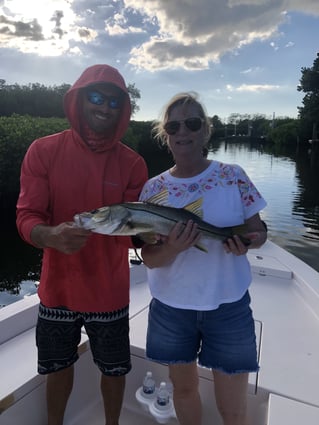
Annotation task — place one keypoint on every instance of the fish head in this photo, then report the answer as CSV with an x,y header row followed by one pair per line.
x,y
105,220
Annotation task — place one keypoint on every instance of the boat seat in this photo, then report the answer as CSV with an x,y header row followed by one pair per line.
x,y
265,265
18,367
282,410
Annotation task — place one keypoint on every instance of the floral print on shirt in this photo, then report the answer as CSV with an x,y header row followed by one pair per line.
x,y
221,175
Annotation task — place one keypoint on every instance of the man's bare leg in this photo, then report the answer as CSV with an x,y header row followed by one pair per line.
x,y
112,388
59,387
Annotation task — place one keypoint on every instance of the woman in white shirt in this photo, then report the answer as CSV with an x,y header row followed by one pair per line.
x,y
200,308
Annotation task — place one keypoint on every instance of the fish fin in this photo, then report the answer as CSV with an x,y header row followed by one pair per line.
x,y
201,248
195,207
160,198
148,237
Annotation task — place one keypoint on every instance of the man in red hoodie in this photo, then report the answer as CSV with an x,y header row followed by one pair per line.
x,y
85,276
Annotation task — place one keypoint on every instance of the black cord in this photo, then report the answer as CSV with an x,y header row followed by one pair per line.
x,y
137,261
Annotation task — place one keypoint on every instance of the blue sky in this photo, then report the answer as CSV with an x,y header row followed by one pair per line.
x,y
240,56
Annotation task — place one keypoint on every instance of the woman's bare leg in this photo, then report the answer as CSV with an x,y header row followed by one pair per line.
x,y
231,397
187,401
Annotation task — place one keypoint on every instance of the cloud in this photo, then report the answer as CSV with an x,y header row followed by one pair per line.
x,y
155,34
57,18
167,46
44,29
310,7
119,25
193,35
29,31
251,71
274,45
252,88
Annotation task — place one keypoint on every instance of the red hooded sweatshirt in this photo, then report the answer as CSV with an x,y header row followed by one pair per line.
x,y
62,176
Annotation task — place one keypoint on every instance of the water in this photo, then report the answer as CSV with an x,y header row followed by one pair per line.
x,y
286,179
289,184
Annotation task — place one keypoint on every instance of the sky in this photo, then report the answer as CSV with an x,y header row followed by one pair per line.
x,y
241,56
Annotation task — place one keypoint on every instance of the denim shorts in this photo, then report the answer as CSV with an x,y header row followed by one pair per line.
x,y
58,334
223,339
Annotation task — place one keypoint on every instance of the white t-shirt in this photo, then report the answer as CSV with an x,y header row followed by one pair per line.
x,y
198,280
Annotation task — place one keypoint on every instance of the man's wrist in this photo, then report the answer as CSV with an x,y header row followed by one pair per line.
x,y
39,235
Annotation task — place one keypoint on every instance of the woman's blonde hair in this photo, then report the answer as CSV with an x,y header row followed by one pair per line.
x,y
180,99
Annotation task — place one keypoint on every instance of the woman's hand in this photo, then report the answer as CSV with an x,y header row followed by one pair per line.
x,y
180,238
257,234
235,246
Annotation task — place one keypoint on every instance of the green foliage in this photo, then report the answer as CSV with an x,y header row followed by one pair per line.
x,y
157,157
309,81
16,134
309,112
40,101
218,127
253,128
137,133
33,99
260,123
284,132
135,94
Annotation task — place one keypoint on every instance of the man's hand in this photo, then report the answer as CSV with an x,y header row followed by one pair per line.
x,y
65,238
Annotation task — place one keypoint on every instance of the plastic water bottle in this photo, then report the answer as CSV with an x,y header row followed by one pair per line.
x,y
148,385
162,400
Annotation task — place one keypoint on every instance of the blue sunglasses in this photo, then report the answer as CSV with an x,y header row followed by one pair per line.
x,y
97,98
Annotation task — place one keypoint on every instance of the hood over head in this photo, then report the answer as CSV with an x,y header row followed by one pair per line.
x,y
97,74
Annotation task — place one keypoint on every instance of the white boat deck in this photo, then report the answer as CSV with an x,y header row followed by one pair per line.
x,y
285,301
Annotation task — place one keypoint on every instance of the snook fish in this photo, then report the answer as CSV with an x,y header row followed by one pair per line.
x,y
146,219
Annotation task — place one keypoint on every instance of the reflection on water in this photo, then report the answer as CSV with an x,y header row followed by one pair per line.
x,y
19,265
288,181
26,288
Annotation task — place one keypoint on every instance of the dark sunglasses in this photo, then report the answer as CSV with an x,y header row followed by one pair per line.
x,y
97,98
193,124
